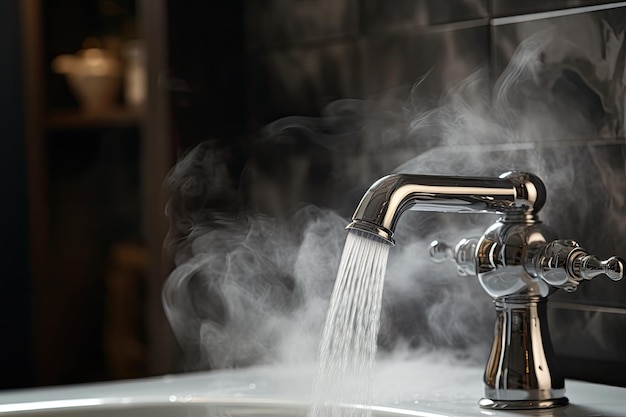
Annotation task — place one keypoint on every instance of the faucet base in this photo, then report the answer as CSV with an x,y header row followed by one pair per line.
x,y
522,404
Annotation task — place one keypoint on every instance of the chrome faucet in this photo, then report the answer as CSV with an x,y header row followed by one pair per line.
x,y
518,261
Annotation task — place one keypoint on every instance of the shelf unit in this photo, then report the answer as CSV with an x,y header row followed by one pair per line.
x,y
52,285
76,119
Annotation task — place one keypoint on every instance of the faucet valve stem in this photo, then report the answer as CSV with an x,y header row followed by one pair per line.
x,y
463,255
564,264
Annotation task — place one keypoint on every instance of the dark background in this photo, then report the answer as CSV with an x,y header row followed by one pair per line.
x,y
233,67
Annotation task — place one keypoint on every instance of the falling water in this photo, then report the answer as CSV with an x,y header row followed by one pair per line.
x,y
348,345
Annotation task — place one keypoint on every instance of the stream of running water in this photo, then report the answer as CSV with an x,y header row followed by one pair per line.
x,y
349,339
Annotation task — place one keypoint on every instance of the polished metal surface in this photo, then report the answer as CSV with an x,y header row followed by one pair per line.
x,y
520,371
462,254
520,265
499,260
564,264
518,261
514,194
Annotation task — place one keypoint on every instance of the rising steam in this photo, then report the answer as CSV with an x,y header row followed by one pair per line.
x,y
255,265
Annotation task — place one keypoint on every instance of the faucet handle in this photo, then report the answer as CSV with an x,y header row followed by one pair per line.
x,y
463,254
590,266
440,252
564,264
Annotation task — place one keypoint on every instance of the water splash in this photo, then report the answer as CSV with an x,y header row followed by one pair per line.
x,y
349,340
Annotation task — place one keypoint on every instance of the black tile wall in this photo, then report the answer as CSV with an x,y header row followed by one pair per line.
x,y
589,341
574,73
569,85
324,50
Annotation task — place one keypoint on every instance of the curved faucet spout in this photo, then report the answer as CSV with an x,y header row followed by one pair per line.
x,y
513,193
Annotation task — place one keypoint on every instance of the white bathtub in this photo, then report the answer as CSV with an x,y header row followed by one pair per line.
x,y
422,388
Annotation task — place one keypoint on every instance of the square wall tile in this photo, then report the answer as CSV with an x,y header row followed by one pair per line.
x,y
569,67
589,342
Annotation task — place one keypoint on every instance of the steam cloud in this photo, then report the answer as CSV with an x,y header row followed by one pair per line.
x,y
255,267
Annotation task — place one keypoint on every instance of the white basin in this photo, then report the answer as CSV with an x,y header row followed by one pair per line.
x,y
421,388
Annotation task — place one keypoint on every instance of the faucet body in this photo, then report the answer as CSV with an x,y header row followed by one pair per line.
x,y
518,261
521,371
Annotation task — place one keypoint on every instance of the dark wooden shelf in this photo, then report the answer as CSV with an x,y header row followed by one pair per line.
x,y
119,117
129,175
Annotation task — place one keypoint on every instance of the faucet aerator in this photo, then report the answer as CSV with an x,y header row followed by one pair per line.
x,y
372,231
